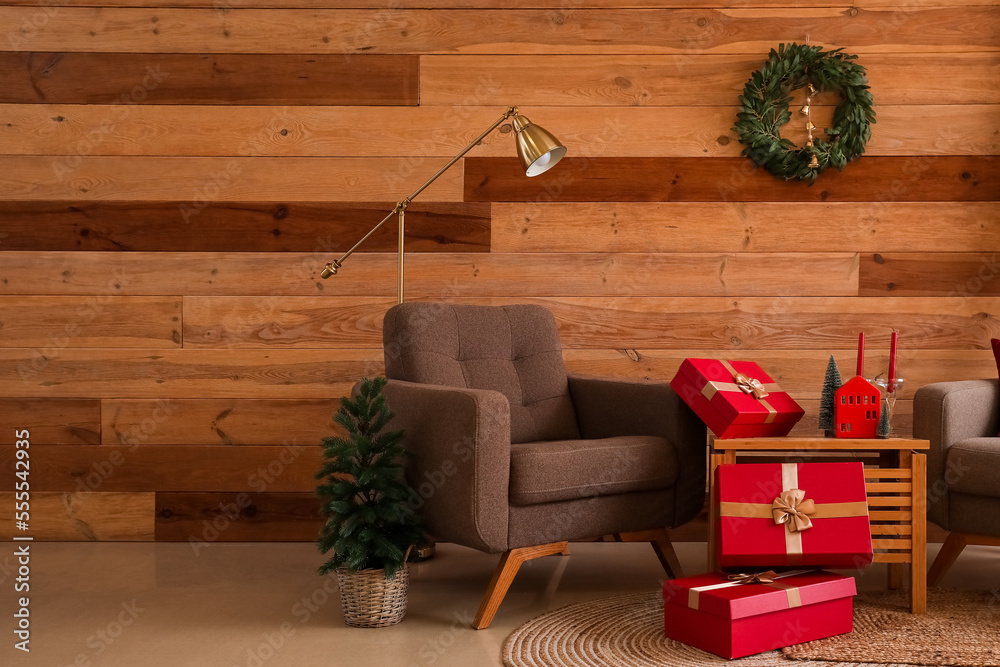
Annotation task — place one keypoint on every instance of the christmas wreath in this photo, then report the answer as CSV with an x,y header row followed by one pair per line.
x,y
764,110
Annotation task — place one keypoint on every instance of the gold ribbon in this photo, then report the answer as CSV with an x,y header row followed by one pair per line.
x,y
791,592
823,510
745,384
754,577
749,385
792,509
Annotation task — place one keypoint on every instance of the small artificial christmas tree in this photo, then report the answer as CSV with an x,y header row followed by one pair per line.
x,y
370,524
831,383
883,424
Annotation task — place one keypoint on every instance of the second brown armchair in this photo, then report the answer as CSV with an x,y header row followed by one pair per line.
x,y
512,456
963,483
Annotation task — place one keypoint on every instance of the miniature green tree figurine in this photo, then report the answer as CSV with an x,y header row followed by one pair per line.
x,y
370,524
884,427
831,383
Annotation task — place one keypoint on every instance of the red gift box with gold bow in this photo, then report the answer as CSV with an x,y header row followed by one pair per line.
x,y
793,514
738,615
736,399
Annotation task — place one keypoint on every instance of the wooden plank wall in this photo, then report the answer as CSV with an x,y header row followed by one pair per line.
x,y
174,174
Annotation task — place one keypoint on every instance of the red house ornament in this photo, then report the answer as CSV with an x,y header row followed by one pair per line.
x,y
857,405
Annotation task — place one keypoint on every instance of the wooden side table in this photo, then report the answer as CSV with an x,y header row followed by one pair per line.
x,y
897,495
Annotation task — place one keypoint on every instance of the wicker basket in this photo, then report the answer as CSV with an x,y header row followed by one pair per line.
x,y
370,600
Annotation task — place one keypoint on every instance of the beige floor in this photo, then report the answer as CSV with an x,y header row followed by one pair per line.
x,y
256,605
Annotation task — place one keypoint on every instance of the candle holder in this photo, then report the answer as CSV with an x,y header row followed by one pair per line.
x,y
889,397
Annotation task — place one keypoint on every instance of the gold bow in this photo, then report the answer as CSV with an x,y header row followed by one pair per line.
x,y
750,386
754,577
790,508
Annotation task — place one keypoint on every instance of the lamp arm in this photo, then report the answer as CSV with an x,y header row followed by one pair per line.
x,y
506,114
331,268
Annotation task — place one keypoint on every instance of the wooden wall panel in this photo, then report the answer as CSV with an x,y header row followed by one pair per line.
x,y
434,276
685,80
87,517
62,421
177,226
321,373
201,181
139,273
490,31
212,78
283,322
232,517
866,227
118,373
84,470
972,178
239,421
590,131
521,4
628,322
202,160
53,323
954,275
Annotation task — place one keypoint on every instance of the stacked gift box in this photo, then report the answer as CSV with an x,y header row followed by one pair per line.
x,y
778,525
736,399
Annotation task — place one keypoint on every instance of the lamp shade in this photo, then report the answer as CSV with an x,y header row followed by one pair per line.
x,y
538,150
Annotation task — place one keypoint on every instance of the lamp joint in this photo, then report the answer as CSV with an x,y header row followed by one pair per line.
x,y
331,269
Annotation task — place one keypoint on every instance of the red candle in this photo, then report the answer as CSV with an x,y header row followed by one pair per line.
x,y
892,362
861,353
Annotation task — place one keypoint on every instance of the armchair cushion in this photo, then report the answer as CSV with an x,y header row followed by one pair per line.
x,y
975,466
510,349
607,407
974,514
544,472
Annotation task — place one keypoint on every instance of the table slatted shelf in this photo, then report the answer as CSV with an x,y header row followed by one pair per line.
x,y
890,541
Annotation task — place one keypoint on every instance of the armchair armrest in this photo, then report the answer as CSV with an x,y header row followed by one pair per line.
x,y
946,413
606,408
460,464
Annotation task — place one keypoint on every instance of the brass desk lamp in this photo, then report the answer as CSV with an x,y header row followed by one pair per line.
x,y
537,149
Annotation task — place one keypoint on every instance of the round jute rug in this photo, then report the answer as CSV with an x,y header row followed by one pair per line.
x,y
961,628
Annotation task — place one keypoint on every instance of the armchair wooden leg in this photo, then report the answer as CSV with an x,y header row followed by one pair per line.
x,y
664,550
662,546
950,551
503,575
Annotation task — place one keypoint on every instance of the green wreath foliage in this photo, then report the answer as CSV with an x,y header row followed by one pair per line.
x,y
764,109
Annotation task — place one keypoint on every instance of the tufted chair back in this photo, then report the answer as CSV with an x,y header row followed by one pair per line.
x,y
510,349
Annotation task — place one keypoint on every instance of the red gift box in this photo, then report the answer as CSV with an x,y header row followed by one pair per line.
x,y
733,619
774,514
736,399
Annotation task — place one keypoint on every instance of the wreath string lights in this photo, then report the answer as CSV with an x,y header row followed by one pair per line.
x,y
764,110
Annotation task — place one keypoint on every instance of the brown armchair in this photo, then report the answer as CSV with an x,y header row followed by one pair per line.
x,y
963,465
512,456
